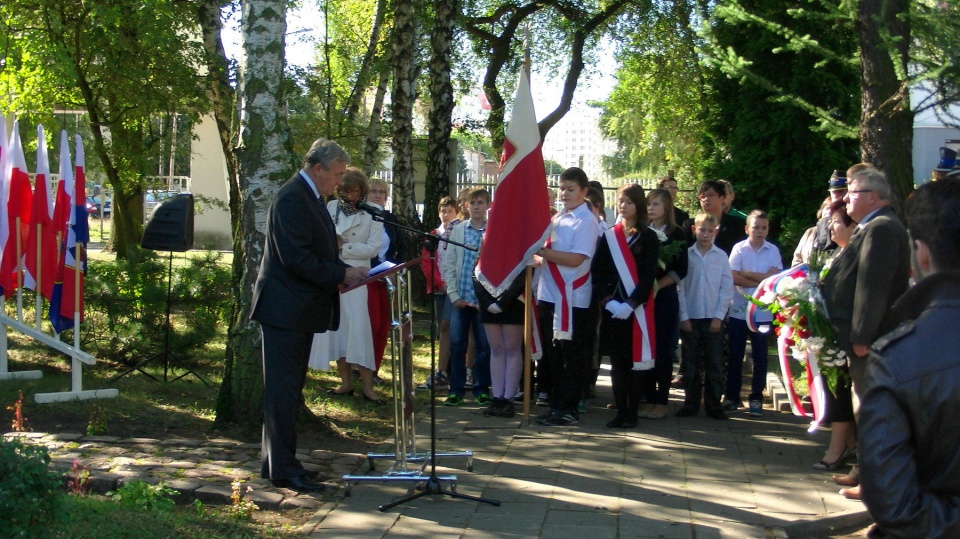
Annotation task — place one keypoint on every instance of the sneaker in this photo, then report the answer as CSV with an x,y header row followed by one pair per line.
x,y
756,408
453,400
518,397
730,405
561,420
543,399
583,407
542,419
439,378
482,399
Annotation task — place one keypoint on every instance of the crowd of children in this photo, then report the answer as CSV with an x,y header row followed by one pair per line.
x,y
625,293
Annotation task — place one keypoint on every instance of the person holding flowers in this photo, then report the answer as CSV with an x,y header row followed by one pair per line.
x,y
671,268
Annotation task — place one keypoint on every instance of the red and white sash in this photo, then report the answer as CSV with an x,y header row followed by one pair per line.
x,y
643,342
563,312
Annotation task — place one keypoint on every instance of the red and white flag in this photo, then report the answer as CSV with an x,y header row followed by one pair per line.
x,y
40,254
15,198
520,215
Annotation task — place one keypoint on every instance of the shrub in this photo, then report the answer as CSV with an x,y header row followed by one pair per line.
x,y
142,495
126,305
31,493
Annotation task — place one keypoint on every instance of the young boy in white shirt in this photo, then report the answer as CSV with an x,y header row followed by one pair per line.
x,y
751,261
705,295
563,296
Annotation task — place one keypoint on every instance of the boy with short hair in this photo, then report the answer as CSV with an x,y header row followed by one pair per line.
x,y
563,295
458,268
751,261
705,295
447,210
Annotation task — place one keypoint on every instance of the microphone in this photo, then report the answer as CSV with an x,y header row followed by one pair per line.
x,y
372,209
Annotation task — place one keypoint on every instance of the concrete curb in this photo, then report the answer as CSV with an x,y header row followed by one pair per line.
x,y
818,527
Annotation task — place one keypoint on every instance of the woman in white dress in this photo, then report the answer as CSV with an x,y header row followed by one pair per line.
x,y
359,238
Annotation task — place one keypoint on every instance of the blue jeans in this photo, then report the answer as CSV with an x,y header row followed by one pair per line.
x,y
738,332
461,321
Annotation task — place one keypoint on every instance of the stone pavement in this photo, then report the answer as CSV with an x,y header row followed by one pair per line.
x,y
674,478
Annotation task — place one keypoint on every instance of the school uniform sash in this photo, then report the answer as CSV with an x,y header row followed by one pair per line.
x,y
643,342
563,313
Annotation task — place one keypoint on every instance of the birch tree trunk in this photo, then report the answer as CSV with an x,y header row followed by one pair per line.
x,y
441,96
404,45
265,160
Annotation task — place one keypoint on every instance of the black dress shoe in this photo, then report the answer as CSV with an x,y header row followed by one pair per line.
x,y
301,483
687,411
336,393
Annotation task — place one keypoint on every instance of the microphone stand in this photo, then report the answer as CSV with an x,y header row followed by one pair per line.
x,y
433,484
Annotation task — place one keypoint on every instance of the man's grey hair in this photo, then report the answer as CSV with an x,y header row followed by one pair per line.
x,y
872,179
325,152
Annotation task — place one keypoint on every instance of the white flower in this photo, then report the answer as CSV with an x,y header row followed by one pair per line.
x,y
799,353
660,235
768,297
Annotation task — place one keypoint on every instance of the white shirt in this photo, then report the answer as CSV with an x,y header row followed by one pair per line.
x,y
707,289
574,231
743,257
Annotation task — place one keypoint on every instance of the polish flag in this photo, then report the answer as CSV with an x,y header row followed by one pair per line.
x,y
41,248
518,220
15,199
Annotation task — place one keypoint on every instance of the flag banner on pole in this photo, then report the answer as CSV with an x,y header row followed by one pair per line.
x,y
520,214
62,211
40,254
73,255
16,198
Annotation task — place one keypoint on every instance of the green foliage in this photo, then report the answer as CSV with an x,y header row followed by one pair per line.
x,y
98,424
142,495
30,492
126,304
778,136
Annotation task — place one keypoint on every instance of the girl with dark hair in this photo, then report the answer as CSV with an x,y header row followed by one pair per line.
x,y
623,274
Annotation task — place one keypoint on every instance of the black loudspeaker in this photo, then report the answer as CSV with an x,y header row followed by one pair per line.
x,y
170,227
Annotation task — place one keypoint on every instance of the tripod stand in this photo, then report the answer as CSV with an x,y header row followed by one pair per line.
x,y
434,483
165,355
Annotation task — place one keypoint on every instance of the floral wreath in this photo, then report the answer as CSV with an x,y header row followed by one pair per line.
x,y
803,332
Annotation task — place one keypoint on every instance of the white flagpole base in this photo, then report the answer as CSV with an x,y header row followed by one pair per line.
x,y
67,396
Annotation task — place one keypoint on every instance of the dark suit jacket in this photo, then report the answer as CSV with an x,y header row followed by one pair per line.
x,y
300,270
732,231
866,279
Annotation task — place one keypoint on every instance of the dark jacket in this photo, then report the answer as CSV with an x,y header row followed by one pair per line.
x,y
866,278
909,425
732,231
606,280
296,288
397,251
677,265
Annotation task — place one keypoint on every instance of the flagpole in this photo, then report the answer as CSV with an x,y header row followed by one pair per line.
x,y
19,270
527,338
39,276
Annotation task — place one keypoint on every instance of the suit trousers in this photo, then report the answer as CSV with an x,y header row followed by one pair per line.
x,y
285,356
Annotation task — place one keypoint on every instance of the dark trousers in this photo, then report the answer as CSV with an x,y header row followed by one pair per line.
x,y
703,359
655,382
566,360
626,381
285,356
738,333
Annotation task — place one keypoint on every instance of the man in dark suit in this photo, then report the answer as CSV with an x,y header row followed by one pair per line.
x,y
866,278
295,296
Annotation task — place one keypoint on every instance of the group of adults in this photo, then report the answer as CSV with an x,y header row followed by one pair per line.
x,y
900,340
